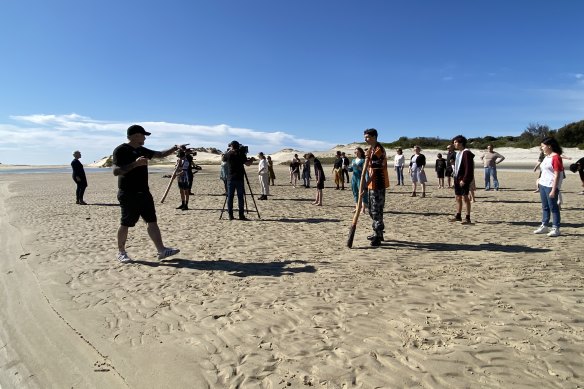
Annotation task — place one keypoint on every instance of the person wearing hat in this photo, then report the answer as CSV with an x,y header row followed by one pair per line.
x,y
130,165
264,176
236,160
79,177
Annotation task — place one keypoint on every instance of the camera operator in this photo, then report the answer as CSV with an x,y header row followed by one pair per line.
x,y
183,168
236,159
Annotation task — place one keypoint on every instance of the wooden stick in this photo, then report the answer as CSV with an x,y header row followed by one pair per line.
x,y
169,184
359,199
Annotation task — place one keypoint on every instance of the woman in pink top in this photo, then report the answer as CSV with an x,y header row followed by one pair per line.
x,y
550,183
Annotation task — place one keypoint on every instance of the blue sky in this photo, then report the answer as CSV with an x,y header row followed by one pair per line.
x,y
304,74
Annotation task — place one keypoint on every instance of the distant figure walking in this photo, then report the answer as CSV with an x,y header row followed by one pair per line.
x,y
79,178
399,161
490,161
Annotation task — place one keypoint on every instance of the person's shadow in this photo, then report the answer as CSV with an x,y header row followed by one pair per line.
x,y
454,247
238,269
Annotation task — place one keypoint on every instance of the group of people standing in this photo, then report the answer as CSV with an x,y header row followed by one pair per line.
x,y
130,165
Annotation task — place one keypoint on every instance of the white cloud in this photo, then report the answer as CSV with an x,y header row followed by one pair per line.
x,y
50,139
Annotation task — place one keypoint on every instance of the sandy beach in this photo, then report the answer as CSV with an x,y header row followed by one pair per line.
x,y
280,301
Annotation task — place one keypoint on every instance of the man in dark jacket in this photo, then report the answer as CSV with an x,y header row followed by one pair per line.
x,y
79,177
236,160
463,176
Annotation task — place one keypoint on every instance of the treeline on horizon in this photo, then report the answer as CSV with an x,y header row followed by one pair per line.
x,y
571,135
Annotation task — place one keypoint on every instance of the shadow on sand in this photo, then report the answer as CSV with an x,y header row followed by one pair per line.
x,y
491,247
238,269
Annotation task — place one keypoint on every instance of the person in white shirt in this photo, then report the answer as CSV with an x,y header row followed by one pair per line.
x,y
264,176
398,164
550,182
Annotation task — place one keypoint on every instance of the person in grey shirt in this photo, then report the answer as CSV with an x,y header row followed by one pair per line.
x,y
490,161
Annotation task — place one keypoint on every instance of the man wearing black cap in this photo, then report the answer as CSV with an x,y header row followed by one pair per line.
x,y
130,165
235,160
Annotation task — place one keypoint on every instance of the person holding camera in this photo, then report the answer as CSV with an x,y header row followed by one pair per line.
x,y
184,174
130,165
236,159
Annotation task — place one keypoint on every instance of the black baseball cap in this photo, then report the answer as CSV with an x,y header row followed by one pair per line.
x,y
137,129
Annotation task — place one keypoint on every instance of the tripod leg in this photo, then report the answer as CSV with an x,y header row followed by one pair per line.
x,y
252,196
223,209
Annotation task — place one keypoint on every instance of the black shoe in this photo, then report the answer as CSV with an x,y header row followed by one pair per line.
x,y
375,242
243,218
231,217
375,236
185,208
181,206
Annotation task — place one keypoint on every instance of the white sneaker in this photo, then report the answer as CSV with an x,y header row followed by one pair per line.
x,y
167,252
541,230
123,257
554,232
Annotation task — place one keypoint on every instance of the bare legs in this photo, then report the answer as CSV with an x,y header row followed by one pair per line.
x,y
153,232
318,200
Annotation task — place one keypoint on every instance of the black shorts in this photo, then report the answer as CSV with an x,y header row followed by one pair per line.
x,y
183,185
134,205
449,171
461,190
320,185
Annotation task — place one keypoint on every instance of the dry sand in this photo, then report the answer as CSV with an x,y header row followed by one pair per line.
x,y
280,302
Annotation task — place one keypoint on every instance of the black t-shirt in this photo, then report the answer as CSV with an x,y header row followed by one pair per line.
x,y
136,180
318,168
78,171
235,165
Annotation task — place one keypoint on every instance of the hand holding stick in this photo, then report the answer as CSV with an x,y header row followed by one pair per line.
x,y
360,199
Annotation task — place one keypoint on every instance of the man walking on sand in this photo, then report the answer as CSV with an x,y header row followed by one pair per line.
x,y
377,182
490,161
463,176
130,165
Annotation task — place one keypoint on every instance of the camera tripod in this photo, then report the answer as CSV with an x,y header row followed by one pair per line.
x,y
244,198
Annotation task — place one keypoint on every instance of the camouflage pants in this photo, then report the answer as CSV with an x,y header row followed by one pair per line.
x,y
376,204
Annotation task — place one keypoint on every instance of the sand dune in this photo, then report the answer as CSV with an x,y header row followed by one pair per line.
x,y
280,301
